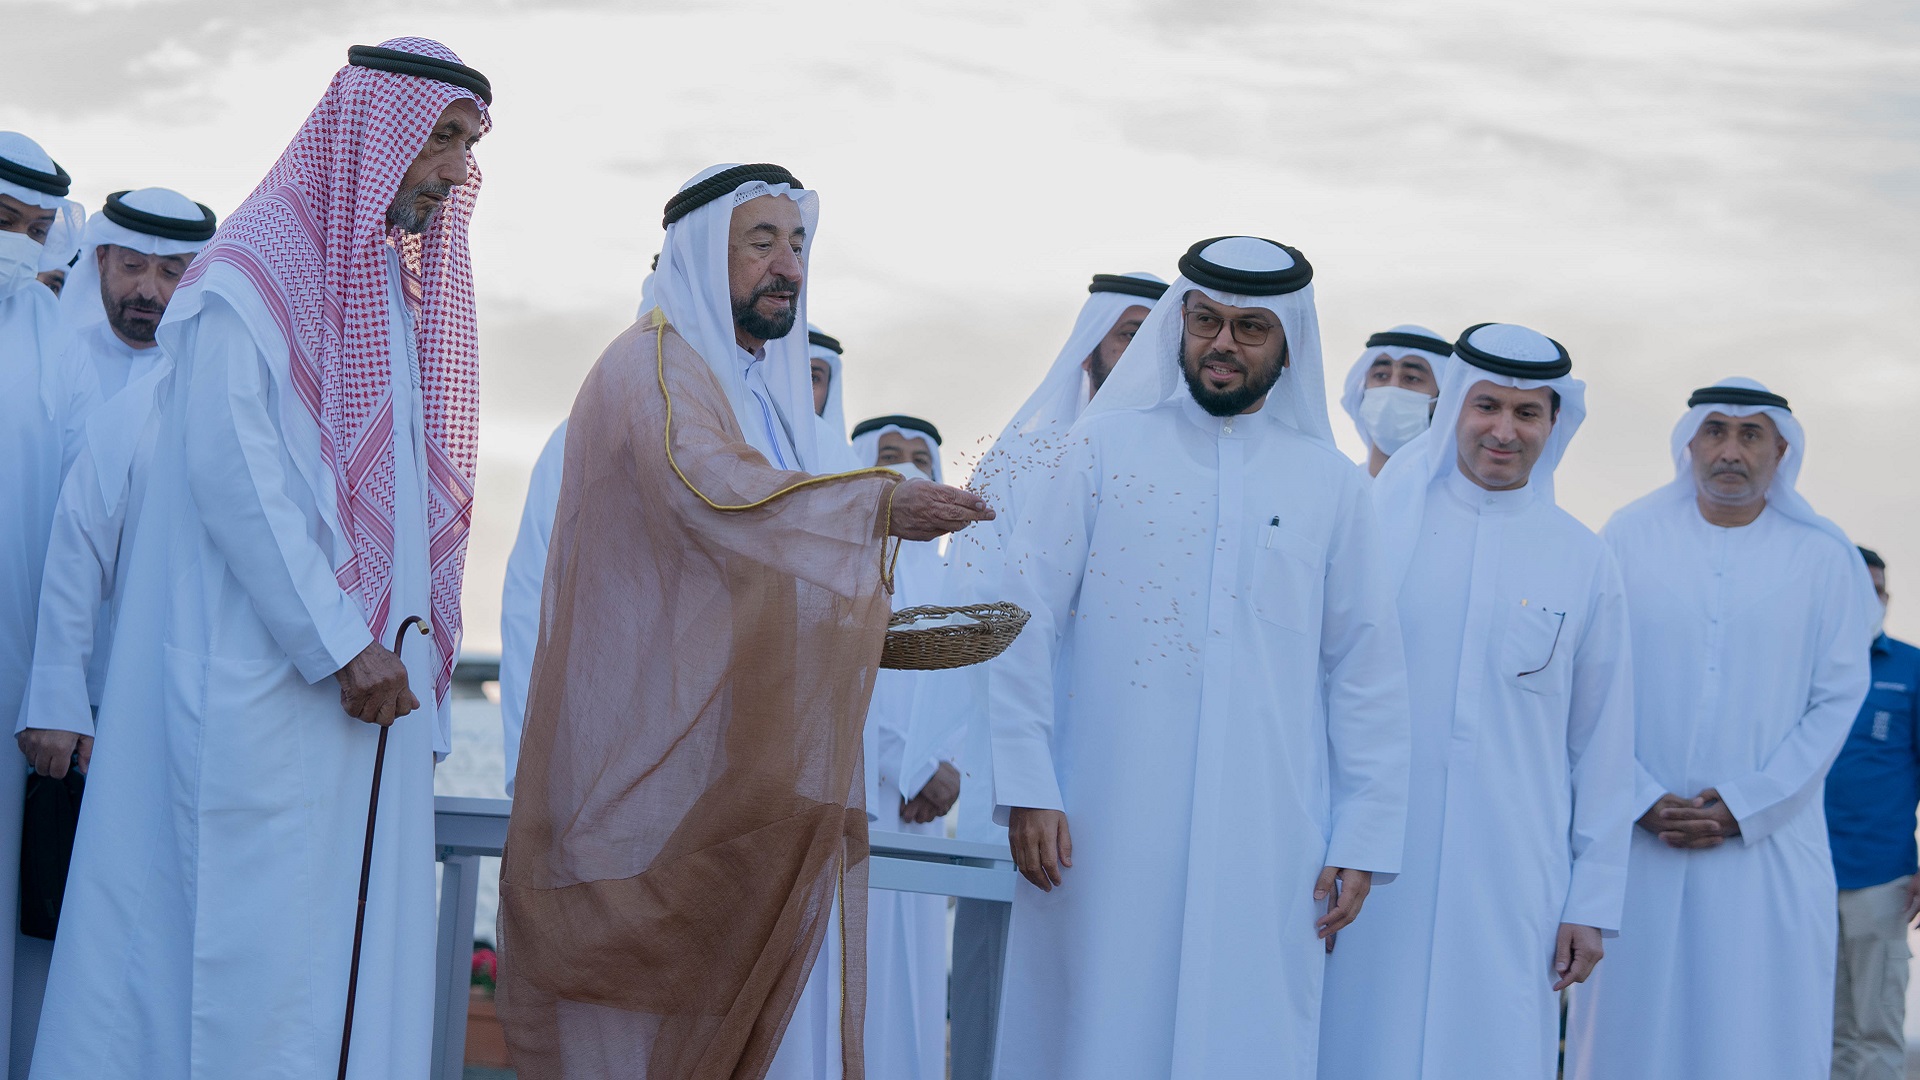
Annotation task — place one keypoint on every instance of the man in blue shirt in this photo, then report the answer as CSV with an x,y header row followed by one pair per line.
x,y
1871,795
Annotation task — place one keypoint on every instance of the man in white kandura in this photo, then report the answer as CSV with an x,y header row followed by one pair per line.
x,y
829,399
1519,672
62,248
520,593
133,256
526,577
1212,691
320,431
953,703
44,400
1391,390
1752,617
906,932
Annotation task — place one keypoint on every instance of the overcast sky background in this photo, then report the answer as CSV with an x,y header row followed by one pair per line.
x,y
1677,195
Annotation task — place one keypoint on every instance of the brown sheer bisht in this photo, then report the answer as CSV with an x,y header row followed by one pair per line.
x,y
689,797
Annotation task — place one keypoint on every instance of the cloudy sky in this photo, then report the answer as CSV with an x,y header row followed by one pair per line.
x,y
1677,192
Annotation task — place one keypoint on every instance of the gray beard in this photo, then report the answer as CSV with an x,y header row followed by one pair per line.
x,y
405,214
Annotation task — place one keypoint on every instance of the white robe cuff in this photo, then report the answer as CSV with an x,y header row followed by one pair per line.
x,y
1646,790
1374,846
57,700
1023,776
1596,897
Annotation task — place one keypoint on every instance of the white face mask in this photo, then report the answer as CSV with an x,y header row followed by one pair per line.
x,y
19,262
1880,624
1394,416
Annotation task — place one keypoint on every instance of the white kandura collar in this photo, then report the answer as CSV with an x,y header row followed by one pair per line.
x,y
1485,501
1226,427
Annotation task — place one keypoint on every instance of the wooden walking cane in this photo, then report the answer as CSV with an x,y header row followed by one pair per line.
x,y
366,858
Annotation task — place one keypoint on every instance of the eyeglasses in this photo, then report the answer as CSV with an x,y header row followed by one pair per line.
x,y
1204,324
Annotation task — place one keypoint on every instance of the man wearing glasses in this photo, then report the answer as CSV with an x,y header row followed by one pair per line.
x,y
1521,793
1211,690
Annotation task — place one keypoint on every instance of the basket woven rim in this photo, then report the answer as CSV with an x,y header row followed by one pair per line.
x,y
986,617
991,629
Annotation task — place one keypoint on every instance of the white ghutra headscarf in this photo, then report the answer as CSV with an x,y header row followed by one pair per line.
x,y
1498,353
151,221
1407,339
1739,397
1148,376
691,288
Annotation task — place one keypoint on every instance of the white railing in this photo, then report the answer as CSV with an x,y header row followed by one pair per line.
x,y
465,830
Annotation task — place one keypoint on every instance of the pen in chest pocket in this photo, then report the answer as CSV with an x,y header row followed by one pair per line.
x,y
1273,530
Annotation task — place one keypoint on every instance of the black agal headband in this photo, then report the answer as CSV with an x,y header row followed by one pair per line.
x,y
1195,267
1736,395
56,183
909,423
1127,286
1392,339
723,183
426,67
1512,368
167,228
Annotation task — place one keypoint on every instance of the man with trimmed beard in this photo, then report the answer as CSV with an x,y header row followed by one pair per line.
x,y
684,883
132,257
1751,618
40,416
308,494
1200,740
1518,671
951,705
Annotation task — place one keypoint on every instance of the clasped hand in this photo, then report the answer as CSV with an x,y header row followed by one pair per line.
x,y
936,797
1691,824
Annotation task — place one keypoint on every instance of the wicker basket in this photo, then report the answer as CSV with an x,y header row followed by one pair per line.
x,y
934,648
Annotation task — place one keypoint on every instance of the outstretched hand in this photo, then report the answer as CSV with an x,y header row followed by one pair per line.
x,y
924,510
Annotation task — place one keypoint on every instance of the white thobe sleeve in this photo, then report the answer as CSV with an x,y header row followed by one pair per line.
x,y
1646,789
520,596
1600,758
239,484
1795,772
82,551
942,702
1045,562
1369,727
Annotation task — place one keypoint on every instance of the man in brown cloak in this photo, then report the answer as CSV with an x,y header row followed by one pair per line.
x,y
689,826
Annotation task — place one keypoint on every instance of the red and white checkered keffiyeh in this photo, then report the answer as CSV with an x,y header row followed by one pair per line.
x,y
312,238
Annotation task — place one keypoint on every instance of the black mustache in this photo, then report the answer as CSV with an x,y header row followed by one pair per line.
x,y
147,306
1223,358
